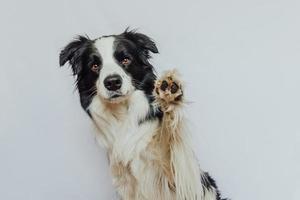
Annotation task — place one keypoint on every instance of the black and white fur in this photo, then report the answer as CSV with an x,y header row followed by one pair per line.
x,y
116,84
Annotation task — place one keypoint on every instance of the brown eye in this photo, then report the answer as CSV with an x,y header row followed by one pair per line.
x,y
126,61
95,68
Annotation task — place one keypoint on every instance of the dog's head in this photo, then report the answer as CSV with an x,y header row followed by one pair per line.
x,y
111,67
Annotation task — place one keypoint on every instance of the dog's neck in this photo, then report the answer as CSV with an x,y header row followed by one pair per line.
x,y
118,125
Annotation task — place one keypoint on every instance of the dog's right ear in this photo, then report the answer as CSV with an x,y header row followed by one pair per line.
x,y
72,52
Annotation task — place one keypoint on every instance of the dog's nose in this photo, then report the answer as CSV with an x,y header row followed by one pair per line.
x,y
113,82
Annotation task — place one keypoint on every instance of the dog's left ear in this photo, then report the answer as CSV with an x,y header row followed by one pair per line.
x,y
142,41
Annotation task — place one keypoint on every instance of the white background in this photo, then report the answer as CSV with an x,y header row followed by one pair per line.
x,y
240,61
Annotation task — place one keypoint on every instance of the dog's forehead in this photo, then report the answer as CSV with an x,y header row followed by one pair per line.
x,y
105,46
108,45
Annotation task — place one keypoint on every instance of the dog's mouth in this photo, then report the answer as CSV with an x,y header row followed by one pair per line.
x,y
115,94
116,97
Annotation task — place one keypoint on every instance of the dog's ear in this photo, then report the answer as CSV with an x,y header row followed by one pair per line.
x,y
141,40
72,52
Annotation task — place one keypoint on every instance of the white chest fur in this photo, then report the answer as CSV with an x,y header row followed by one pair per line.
x,y
119,128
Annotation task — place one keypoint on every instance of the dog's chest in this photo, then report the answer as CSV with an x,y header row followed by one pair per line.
x,y
119,127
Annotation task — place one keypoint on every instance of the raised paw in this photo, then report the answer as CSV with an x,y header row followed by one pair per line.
x,y
168,89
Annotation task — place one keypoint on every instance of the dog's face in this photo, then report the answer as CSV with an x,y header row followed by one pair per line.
x,y
111,67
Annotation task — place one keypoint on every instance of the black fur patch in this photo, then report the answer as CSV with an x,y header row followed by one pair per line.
x,y
209,184
81,55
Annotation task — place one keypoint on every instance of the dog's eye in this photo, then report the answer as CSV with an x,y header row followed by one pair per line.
x,y
126,61
95,68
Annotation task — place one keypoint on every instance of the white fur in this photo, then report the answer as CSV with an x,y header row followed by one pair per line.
x,y
105,47
122,135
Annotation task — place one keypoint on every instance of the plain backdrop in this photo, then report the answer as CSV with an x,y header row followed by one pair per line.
x,y
240,62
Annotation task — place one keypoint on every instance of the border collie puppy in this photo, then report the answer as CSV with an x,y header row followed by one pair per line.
x,y
138,118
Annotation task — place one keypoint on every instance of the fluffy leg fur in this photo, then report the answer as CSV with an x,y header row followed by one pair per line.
x,y
183,177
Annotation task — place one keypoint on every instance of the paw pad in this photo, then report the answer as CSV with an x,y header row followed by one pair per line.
x,y
168,89
174,88
164,85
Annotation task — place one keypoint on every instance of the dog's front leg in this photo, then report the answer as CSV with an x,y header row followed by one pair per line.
x,y
183,172
168,93
123,180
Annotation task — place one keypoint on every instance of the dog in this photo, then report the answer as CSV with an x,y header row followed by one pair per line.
x,y
138,118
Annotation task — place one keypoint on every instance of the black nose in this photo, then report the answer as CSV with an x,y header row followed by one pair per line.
x,y
113,82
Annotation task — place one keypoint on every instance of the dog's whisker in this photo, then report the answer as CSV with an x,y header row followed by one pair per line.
x,y
89,90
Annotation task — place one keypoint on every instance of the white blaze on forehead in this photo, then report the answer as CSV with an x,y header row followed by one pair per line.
x,y
105,47
110,66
